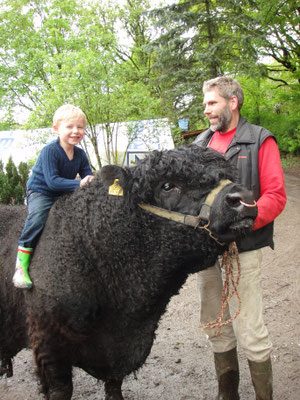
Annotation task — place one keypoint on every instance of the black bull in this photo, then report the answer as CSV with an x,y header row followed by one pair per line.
x,y
105,268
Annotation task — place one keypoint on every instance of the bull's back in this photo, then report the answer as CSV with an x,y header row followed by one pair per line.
x,y
13,335
12,219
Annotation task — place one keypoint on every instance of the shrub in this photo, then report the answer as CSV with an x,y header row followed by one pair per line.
x,y
13,182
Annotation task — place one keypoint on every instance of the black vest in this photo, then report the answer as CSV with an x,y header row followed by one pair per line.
x,y
243,152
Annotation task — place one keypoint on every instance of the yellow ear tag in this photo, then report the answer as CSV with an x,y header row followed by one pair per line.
x,y
115,189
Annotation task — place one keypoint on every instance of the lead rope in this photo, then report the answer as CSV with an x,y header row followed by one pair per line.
x,y
229,287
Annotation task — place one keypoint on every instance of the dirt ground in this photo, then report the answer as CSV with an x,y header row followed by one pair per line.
x,y
180,366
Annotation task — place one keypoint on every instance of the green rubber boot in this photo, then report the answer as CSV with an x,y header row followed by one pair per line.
x,y
261,374
227,369
21,277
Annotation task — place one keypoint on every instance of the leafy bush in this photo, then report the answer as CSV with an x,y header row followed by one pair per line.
x,y
275,109
13,182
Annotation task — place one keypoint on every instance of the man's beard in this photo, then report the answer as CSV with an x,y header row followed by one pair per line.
x,y
223,121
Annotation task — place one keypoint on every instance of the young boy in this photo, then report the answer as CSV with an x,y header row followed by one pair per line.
x,y
52,176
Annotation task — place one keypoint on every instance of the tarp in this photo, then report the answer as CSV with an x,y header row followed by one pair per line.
x,y
23,145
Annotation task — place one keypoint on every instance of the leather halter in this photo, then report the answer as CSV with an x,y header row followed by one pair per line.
x,y
187,219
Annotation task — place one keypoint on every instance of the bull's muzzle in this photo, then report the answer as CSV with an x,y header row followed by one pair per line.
x,y
243,203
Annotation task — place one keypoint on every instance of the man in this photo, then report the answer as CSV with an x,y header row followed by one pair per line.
x,y
254,151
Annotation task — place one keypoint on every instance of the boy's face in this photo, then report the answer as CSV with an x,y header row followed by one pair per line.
x,y
70,131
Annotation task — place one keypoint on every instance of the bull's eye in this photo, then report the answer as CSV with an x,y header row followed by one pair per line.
x,y
168,186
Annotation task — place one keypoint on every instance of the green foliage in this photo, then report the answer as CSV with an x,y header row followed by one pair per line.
x,y
279,23
23,169
68,51
277,110
200,40
12,175
18,194
125,63
5,190
13,182
290,161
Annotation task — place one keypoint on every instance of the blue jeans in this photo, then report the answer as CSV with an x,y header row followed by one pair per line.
x,y
38,209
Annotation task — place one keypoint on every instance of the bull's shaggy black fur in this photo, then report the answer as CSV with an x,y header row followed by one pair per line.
x,y
105,269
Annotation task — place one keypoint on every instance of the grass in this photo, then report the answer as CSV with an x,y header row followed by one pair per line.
x,y
290,161
291,164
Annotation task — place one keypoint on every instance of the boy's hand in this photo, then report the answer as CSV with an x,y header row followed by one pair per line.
x,y
86,180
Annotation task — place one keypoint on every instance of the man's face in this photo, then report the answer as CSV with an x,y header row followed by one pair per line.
x,y
218,111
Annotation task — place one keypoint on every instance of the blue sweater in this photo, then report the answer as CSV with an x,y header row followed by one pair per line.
x,y
54,174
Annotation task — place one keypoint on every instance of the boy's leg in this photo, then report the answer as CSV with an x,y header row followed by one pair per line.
x,y
38,209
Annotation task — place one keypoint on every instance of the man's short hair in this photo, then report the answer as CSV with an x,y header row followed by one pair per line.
x,y
68,111
228,87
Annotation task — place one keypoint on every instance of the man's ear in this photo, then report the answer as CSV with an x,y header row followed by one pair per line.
x,y
234,103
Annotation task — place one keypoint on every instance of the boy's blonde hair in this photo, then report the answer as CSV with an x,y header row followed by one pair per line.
x,y
68,111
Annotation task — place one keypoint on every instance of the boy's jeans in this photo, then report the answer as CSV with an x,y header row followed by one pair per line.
x,y
38,209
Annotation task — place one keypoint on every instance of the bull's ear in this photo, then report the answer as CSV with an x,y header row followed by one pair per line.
x,y
115,178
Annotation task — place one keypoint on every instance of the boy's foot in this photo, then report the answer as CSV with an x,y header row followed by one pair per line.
x,y
21,277
21,280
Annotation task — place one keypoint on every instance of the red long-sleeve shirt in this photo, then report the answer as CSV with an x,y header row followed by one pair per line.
x,y
272,190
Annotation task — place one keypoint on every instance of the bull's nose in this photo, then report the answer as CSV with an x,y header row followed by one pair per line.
x,y
234,200
243,203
